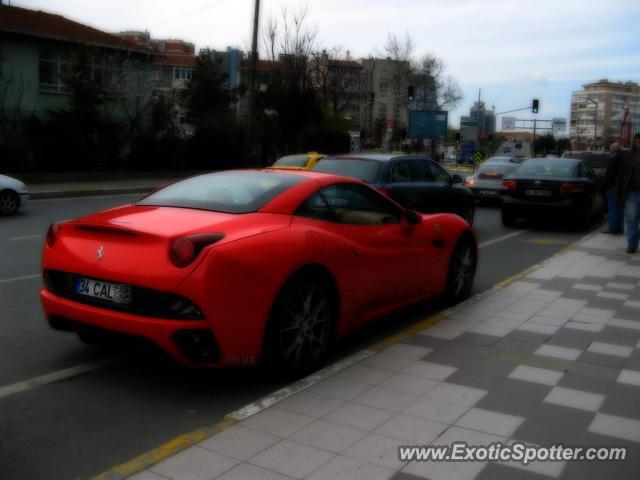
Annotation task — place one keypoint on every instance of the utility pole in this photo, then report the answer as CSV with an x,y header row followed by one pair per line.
x,y
251,111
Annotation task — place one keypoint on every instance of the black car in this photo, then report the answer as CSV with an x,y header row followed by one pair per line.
x,y
543,187
415,182
598,161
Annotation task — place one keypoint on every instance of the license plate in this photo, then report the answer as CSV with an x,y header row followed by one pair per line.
x,y
538,193
111,292
488,192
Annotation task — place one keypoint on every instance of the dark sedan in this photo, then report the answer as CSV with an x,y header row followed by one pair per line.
x,y
415,182
543,187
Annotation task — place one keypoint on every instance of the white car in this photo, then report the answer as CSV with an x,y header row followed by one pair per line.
x,y
13,194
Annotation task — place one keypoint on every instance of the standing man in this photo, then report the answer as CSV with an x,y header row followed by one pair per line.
x,y
628,189
615,214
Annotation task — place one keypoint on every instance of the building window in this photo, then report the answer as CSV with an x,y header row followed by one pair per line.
x,y
155,75
182,73
52,68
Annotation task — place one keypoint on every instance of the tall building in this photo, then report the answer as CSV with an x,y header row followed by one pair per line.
x,y
598,111
384,95
486,119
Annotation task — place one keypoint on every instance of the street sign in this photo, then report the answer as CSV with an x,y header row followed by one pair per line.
x,y
559,124
428,124
478,157
508,123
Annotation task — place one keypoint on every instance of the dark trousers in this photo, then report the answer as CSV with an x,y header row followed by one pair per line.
x,y
615,214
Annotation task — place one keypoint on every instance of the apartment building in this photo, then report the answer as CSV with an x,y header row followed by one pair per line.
x,y
599,110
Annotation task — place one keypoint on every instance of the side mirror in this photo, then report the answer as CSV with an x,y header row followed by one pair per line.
x,y
412,217
456,179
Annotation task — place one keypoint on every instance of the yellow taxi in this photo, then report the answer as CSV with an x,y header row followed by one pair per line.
x,y
300,161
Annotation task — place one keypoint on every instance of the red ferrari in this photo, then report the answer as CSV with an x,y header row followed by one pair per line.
x,y
235,267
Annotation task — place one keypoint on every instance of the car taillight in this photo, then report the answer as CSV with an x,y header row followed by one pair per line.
x,y
469,181
571,188
184,250
52,233
510,185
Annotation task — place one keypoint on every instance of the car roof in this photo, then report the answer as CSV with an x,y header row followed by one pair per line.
x,y
379,157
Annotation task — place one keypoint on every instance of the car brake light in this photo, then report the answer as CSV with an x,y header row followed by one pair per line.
x,y
52,233
184,250
509,185
469,181
571,188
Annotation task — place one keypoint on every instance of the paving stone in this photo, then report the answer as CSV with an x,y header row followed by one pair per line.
x,y
401,382
387,399
478,338
535,375
538,328
622,400
344,468
239,442
572,338
359,416
377,449
337,387
585,383
246,471
602,360
194,464
425,341
411,429
387,361
498,471
276,421
509,343
329,436
612,335
476,378
616,427
509,404
365,374
292,458
558,352
488,421
629,468
456,394
436,410
569,397
521,388
591,370
528,337
429,370
551,424
310,403
629,377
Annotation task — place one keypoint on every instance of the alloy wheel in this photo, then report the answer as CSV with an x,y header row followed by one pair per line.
x,y
464,267
8,202
305,325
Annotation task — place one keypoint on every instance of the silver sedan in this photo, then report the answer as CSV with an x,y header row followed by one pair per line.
x,y
13,195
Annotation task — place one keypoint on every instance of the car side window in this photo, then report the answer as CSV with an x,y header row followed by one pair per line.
x,y
439,173
420,171
316,207
585,171
401,171
355,204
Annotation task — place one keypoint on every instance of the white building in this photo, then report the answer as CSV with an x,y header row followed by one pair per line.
x,y
597,112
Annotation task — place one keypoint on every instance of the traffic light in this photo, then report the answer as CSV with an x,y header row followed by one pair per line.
x,y
535,105
411,94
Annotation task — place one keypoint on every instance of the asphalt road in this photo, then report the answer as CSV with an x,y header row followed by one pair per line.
x,y
131,399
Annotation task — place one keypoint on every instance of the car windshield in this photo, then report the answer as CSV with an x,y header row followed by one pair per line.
x,y
360,168
499,170
227,192
292,161
548,168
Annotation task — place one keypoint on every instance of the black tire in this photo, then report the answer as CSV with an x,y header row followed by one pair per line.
x,y
470,213
301,326
9,202
508,216
462,270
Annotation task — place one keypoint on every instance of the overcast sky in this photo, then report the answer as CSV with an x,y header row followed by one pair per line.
x,y
514,50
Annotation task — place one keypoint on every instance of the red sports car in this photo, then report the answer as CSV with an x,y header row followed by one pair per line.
x,y
233,267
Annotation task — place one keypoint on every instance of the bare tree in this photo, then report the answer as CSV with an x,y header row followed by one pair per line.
x,y
400,51
336,82
434,90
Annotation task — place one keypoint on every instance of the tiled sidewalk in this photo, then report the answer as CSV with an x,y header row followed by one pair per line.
x,y
552,358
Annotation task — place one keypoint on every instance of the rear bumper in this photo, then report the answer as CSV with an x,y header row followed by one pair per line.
x,y
24,198
166,334
486,193
566,206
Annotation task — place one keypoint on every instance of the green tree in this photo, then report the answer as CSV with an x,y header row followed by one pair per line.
x,y
544,144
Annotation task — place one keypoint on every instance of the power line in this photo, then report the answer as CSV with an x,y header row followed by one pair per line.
x,y
193,12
